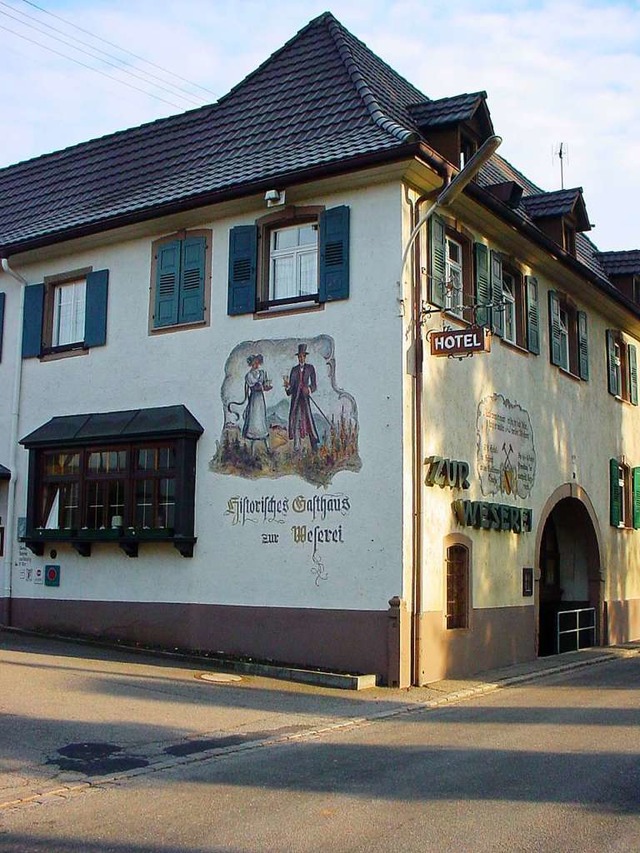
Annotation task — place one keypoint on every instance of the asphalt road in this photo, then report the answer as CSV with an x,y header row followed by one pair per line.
x,y
548,766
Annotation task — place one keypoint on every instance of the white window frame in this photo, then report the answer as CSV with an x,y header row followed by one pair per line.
x,y
69,310
297,254
510,325
563,323
454,271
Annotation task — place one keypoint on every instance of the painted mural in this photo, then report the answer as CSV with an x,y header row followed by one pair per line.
x,y
506,453
284,413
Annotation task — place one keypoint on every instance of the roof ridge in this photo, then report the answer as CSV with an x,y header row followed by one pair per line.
x,y
362,87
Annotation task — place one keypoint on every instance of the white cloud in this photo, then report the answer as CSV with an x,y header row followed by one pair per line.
x,y
554,72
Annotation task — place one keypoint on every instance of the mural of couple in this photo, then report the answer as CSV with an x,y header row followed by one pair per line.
x,y
300,423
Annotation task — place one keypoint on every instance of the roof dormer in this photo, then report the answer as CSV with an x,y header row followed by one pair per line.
x,y
559,215
623,270
454,127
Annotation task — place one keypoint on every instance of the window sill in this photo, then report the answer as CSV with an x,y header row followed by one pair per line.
x,y
64,352
128,540
178,327
513,346
288,310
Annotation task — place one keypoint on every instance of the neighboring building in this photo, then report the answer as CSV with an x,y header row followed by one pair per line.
x,y
228,431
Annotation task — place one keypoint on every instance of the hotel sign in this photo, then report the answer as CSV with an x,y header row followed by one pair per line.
x,y
460,342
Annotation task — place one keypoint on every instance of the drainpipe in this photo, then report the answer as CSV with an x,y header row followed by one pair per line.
x,y
450,191
5,618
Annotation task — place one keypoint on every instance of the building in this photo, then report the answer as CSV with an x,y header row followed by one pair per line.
x,y
234,426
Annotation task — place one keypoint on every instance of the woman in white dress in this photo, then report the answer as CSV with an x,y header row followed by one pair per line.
x,y
256,382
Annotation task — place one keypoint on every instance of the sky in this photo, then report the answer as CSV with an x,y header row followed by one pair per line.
x,y
555,72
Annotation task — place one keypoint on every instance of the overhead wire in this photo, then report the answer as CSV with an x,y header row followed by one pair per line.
x,y
118,47
119,63
189,99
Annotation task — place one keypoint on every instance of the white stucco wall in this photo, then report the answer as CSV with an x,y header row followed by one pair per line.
x,y
231,565
577,427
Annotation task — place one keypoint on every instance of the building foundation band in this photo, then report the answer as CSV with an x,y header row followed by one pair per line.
x,y
365,399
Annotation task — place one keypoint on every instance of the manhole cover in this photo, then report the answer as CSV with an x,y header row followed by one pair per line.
x,y
218,677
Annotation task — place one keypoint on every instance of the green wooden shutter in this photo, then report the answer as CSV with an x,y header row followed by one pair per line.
x,y
438,260
191,291
583,346
635,480
95,324
32,320
333,281
167,284
533,315
612,367
482,284
554,329
633,374
243,248
2,300
615,506
497,312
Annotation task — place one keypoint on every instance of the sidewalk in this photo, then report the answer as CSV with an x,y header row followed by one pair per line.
x,y
77,715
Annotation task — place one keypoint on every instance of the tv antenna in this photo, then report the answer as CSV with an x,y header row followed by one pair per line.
x,y
561,152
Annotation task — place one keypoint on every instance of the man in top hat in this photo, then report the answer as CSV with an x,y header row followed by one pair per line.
x,y
299,386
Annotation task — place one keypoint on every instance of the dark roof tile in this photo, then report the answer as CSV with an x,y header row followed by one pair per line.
x,y
429,114
620,263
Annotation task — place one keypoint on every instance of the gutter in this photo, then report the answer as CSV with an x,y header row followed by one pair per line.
x,y
5,611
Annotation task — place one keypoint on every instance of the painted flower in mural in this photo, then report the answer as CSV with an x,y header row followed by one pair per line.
x,y
284,414
506,455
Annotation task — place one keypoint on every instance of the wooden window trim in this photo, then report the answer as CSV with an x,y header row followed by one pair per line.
x,y
458,541
51,282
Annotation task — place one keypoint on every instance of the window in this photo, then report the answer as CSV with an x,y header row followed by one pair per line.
x,y
450,269
457,586
568,336
520,298
181,266
624,490
66,312
124,475
622,368
294,257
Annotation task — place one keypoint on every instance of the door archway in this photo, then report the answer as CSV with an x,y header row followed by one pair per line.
x,y
569,559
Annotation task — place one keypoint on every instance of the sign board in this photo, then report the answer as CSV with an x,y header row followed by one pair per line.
x,y
460,342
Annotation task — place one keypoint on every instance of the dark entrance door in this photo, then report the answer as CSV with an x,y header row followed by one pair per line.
x,y
569,575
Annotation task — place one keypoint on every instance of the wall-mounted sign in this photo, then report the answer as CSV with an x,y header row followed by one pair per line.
x,y
505,450
446,472
460,341
490,516
52,575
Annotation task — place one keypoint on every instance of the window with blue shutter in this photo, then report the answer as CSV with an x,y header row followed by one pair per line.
x,y
497,312
438,261
299,257
533,315
482,284
622,367
568,336
181,265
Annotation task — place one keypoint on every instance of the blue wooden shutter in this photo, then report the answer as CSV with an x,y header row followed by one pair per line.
x,y
554,329
167,284
612,367
482,284
243,248
497,312
583,346
95,324
191,295
333,281
438,260
633,374
533,315
2,299
32,320
615,506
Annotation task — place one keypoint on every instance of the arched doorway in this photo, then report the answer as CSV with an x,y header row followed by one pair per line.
x,y
570,574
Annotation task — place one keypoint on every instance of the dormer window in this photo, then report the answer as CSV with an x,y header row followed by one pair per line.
x,y
568,238
468,148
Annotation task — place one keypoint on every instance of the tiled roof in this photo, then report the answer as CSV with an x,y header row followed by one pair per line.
x,y
558,203
620,263
321,99
446,110
5,473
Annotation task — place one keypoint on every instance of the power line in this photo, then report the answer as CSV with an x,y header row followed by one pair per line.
x,y
121,63
189,99
122,49
91,68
